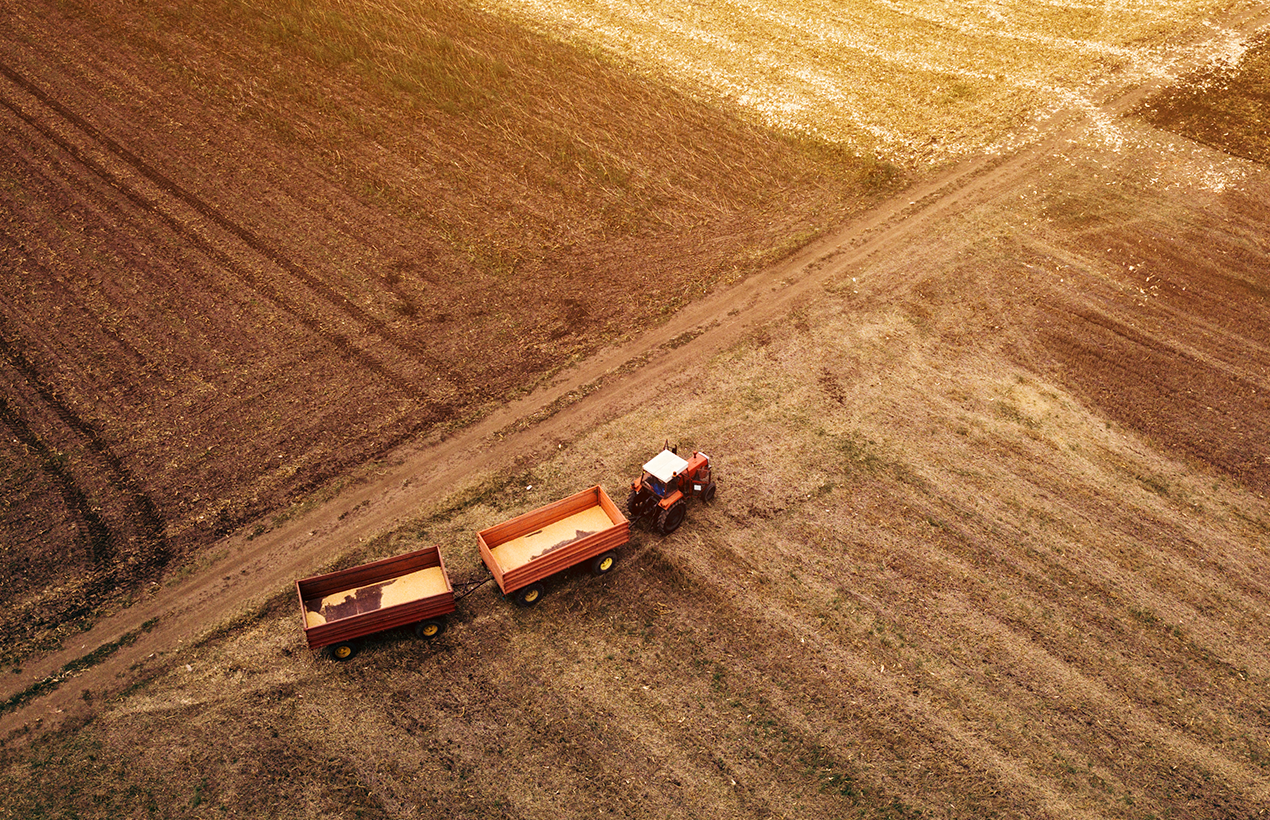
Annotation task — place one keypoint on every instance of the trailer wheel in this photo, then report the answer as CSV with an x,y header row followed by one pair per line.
x,y
603,564
427,630
668,520
341,651
529,595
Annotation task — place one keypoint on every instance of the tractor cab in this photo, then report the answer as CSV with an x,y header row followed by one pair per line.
x,y
661,473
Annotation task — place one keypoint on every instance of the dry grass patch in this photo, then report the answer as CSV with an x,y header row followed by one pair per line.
x,y
911,81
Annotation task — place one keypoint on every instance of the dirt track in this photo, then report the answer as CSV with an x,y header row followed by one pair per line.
x,y
249,570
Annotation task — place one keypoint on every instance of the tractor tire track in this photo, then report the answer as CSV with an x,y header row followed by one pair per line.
x,y
13,249
151,522
99,539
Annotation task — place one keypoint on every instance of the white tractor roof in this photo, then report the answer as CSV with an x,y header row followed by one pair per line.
x,y
664,465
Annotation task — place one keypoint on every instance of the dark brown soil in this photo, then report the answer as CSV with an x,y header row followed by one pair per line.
x,y
1161,339
1225,106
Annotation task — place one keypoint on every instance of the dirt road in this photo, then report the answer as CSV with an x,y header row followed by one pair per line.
x,y
248,570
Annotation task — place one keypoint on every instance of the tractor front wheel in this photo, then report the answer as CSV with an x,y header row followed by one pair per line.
x,y
636,505
669,518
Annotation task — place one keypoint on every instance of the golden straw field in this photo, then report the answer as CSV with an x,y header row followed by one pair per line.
x,y
912,81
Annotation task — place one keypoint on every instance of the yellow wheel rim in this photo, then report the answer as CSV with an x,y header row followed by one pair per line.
x,y
430,630
606,565
531,596
343,652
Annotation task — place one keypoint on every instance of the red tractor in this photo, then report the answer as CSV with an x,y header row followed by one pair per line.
x,y
665,486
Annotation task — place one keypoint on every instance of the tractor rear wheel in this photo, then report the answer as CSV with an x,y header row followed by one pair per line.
x,y
669,518
707,494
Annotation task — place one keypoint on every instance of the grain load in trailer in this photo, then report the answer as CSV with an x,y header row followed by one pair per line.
x,y
340,607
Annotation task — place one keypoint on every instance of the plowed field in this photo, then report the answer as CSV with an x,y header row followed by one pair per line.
x,y
978,337
249,248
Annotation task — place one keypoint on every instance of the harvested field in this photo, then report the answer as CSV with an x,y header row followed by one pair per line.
x,y
990,536
913,81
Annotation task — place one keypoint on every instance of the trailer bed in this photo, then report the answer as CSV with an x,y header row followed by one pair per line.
x,y
520,551
541,542
392,592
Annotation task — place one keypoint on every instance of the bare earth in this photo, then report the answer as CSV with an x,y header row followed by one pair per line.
x,y
990,537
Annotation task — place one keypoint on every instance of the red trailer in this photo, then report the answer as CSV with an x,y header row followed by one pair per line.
x,y
585,527
340,607
414,589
